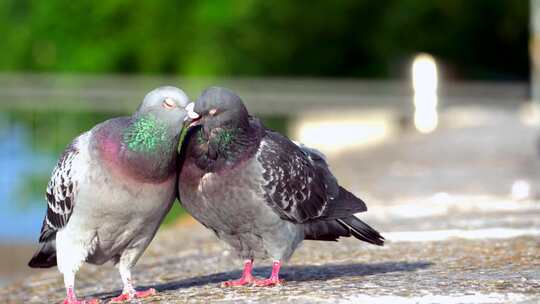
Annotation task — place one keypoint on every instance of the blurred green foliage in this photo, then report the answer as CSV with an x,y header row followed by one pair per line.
x,y
51,131
480,39
176,212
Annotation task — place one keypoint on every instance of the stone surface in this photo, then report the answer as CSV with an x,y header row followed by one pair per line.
x,y
186,265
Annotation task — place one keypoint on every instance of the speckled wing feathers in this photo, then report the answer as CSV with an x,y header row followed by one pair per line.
x,y
299,185
318,160
60,194
292,185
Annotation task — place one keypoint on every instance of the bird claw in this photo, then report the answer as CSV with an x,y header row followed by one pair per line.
x,y
122,298
240,282
75,301
136,295
145,293
269,282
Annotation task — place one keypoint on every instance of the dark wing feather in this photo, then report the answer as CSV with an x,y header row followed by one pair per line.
x,y
296,186
60,194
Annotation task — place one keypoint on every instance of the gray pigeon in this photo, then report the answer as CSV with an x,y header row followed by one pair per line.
x,y
110,190
257,190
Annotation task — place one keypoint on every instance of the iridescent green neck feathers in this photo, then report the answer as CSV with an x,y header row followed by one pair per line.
x,y
146,134
220,138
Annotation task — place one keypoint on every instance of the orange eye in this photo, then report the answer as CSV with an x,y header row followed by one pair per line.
x,y
168,103
212,112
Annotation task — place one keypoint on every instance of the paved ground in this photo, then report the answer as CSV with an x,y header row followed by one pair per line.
x,y
455,233
187,265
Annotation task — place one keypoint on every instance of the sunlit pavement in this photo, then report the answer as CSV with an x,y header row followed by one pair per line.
x,y
459,208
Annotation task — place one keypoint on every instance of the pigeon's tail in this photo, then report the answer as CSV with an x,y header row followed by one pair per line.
x,y
327,230
339,221
45,257
362,231
345,205
332,230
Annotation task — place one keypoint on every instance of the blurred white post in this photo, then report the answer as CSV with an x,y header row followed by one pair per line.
x,y
425,82
531,111
534,50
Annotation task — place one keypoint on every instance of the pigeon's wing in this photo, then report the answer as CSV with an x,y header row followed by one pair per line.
x,y
318,160
297,182
60,193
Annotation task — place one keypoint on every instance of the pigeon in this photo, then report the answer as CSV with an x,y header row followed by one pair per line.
x,y
257,190
111,189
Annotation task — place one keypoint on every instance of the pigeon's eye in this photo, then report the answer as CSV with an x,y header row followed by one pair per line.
x,y
212,112
168,103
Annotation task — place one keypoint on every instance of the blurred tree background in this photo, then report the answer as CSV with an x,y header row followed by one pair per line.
x,y
480,39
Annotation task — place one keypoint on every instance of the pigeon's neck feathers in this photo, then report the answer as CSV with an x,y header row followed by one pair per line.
x,y
223,138
142,149
226,147
231,142
146,134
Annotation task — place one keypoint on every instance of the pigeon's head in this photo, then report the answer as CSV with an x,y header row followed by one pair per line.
x,y
218,108
166,104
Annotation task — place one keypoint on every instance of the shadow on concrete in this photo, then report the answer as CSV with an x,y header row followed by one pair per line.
x,y
299,273
302,273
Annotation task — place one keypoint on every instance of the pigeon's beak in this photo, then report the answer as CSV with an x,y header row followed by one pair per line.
x,y
192,118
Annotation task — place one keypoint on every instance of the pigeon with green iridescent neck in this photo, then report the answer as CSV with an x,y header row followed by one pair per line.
x,y
111,189
257,190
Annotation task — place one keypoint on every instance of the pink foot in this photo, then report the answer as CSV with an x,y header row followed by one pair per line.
x,y
75,301
137,295
71,298
269,282
240,282
246,279
145,293
121,298
273,280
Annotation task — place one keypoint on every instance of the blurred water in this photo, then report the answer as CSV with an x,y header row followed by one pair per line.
x,y
22,212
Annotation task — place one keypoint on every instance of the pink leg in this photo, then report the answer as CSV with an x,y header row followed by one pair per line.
x,y
247,277
273,280
71,298
129,293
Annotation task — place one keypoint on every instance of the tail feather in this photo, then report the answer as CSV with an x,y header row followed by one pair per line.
x,y
344,205
338,221
325,231
332,230
45,257
362,231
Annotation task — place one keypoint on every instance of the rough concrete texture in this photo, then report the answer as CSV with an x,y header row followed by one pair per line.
x,y
455,234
